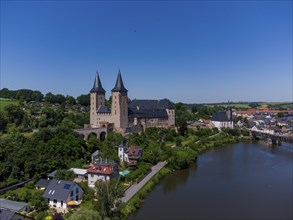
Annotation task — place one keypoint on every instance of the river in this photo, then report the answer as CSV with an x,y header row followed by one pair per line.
x,y
240,181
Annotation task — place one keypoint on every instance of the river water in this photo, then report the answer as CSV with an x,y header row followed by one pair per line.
x,y
240,181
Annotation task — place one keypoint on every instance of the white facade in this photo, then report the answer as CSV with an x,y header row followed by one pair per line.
x,y
57,203
123,156
94,177
53,195
223,124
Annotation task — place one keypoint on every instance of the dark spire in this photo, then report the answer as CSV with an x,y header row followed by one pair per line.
x,y
97,87
119,87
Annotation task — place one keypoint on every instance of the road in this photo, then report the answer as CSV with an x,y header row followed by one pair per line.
x,y
132,190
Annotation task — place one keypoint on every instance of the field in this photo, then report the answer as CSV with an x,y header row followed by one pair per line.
x,y
5,102
244,105
236,105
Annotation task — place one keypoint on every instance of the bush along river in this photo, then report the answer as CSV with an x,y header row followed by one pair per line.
x,y
240,181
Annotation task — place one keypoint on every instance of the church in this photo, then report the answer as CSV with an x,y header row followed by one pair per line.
x,y
127,117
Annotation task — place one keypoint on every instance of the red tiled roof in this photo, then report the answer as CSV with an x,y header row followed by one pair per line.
x,y
107,170
133,151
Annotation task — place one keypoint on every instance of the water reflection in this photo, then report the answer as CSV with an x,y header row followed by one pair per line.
x,y
177,178
243,181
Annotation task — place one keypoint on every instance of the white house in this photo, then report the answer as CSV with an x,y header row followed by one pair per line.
x,y
101,171
130,154
223,119
60,193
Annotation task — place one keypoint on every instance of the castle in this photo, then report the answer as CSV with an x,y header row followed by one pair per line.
x,y
126,117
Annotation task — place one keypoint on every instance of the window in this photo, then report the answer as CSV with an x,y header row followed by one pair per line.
x,y
61,203
67,186
77,190
55,201
71,194
92,175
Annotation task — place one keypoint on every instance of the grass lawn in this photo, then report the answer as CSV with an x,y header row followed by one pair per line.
x,y
188,140
169,144
30,134
5,102
21,194
235,105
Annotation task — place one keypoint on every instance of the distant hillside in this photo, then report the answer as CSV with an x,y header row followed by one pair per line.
x,y
248,105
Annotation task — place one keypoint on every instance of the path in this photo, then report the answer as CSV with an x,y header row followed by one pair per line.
x,y
15,186
214,135
132,190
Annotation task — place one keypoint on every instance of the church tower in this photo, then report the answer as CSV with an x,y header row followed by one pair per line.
x,y
97,99
119,108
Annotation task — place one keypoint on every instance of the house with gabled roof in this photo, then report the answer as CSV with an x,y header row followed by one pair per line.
x,y
101,171
60,193
223,119
42,184
130,154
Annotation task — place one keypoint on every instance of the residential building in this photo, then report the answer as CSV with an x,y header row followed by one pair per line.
x,y
13,205
60,192
130,154
81,174
42,184
95,155
6,214
101,171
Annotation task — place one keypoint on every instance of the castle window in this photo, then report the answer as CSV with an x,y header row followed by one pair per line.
x,y
115,112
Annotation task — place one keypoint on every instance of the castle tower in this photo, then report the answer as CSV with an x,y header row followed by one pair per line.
x,y
97,99
119,108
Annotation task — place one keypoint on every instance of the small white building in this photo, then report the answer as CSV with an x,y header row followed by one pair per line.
x,y
81,174
60,192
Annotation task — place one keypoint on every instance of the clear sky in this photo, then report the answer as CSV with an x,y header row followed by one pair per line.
x,y
187,51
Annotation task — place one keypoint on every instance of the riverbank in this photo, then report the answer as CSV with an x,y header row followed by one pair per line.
x,y
205,144
248,180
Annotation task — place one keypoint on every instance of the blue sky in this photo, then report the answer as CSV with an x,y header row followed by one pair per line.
x,y
187,51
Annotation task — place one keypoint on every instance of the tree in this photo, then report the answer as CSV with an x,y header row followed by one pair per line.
x,y
3,121
49,97
254,104
107,197
37,96
65,175
109,102
38,202
70,100
59,99
280,115
85,214
83,100
14,114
